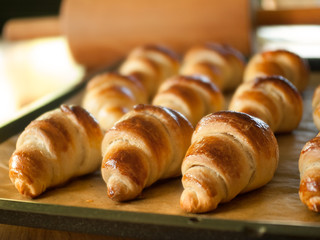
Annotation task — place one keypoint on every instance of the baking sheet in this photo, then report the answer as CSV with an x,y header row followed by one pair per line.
x,y
275,206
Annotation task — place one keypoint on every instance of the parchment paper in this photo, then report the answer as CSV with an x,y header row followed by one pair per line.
x,y
277,202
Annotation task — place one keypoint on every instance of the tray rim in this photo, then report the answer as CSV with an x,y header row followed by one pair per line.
x,y
110,222
23,117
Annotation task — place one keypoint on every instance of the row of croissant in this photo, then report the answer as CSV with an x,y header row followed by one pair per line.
x,y
159,117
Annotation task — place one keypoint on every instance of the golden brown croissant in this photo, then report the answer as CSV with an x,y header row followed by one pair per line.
x,y
278,62
193,96
316,107
222,64
309,167
146,144
109,96
151,64
273,99
59,145
230,153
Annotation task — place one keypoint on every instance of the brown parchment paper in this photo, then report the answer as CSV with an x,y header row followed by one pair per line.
x,y
277,202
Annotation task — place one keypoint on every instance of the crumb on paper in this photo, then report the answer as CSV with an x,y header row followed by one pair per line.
x,y
89,200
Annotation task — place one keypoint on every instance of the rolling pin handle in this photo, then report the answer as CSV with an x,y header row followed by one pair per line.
x,y
30,28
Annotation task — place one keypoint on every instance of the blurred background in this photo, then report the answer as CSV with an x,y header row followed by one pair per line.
x,y
27,8
303,39
31,70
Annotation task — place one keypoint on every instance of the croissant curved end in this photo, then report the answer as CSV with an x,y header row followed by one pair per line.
x,y
119,190
24,187
314,203
189,201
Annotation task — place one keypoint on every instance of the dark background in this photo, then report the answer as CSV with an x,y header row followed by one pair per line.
x,y
27,8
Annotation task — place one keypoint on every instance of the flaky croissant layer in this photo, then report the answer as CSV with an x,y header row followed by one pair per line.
x,y
145,145
221,63
151,64
279,62
109,96
309,167
230,153
273,99
59,145
193,96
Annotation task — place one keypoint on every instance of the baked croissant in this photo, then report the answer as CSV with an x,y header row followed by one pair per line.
x,y
222,64
309,167
273,99
193,96
59,145
279,62
145,145
151,64
230,153
108,96
316,107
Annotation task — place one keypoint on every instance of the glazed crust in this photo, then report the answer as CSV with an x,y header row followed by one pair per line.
x,y
222,64
273,99
279,62
108,96
193,96
151,64
145,145
230,153
59,145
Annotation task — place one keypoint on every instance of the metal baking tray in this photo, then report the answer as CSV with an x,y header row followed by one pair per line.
x,y
145,225
135,223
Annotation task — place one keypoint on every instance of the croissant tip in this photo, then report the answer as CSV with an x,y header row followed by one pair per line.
x,y
118,191
314,203
189,201
25,189
114,193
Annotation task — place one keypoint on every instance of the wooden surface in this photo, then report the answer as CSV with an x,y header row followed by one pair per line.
x,y
30,28
100,32
10,232
104,32
288,16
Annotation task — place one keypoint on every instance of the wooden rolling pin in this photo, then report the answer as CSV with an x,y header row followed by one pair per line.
x,y
101,32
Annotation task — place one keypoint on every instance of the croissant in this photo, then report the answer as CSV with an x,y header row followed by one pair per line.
x,y
273,99
59,145
309,191
193,96
151,64
279,62
108,96
222,64
145,145
230,153
316,107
